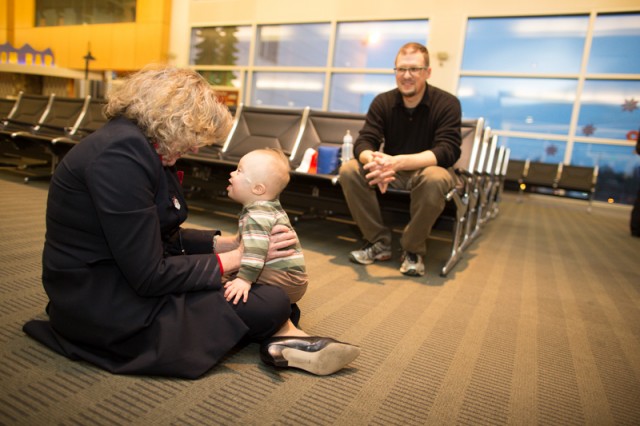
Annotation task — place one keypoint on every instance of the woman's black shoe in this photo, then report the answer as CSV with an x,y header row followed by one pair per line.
x,y
317,355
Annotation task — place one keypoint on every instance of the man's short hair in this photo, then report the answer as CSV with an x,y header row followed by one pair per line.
x,y
414,47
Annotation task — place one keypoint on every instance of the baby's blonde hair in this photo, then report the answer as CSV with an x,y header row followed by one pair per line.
x,y
175,108
276,169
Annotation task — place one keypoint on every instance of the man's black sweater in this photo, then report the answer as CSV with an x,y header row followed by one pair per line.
x,y
433,125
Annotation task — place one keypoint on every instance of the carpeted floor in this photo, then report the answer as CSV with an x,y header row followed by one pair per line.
x,y
538,324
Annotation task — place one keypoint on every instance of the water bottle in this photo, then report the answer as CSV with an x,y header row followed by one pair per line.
x,y
347,147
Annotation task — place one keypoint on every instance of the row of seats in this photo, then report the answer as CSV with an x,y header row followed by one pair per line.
x,y
36,131
44,128
479,173
560,179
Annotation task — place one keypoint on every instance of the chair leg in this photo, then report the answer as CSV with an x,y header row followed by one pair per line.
x,y
462,208
471,216
456,245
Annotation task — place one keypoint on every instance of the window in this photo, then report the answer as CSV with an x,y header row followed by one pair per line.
x,y
609,109
375,44
618,170
220,45
277,46
354,92
223,78
519,104
291,64
615,45
543,151
371,45
525,77
303,45
541,82
56,13
288,89
525,45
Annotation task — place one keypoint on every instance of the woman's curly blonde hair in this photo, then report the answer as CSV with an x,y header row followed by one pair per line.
x,y
176,108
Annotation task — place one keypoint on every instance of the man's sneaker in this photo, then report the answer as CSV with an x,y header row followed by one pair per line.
x,y
412,264
370,253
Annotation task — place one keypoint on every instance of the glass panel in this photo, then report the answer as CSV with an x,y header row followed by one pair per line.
x,y
531,45
609,109
354,92
519,104
615,45
220,45
222,78
305,45
375,44
540,150
287,89
619,169
56,12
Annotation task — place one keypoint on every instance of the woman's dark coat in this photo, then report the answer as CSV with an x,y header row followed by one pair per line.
x,y
122,295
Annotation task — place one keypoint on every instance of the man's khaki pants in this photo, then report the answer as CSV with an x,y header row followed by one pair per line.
x,y
428,187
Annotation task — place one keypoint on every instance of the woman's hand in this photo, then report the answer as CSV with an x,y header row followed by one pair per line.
x,y
281,237
230,260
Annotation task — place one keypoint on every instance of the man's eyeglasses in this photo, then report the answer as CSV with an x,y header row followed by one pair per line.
x,y
412,70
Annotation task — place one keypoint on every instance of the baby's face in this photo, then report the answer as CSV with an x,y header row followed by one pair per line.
x,y
240,183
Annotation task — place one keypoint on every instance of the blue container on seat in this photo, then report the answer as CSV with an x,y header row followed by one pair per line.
x,y
328,159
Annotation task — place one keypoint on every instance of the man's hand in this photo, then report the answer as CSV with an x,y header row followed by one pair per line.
x,y
237,289
281,237
381,170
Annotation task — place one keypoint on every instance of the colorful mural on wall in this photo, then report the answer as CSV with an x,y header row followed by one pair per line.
x,y
26,55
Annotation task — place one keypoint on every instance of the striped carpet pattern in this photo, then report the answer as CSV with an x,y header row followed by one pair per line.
x,y
538,324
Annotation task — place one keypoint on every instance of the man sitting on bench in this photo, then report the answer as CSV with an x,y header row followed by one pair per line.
x,y
420,127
